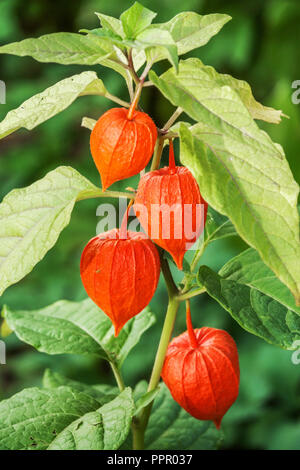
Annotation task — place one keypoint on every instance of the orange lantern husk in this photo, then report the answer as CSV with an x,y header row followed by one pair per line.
x,y
122,144
170,208
201,370
120,271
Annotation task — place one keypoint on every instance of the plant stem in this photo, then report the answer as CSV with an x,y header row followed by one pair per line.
x,y
146,71
172,119
118,376
191,293
157,368
117,100
173,305
129,85
197,256
163,344
132,69
99,193
171,286
159,146
170,135
184,295
136,435
137,95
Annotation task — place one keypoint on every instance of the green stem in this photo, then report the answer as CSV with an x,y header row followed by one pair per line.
x,y
146,71
184,295
136,435
129,85
190,294
118,376
159,146
172,119
157,368
99,193
117,100
132,69
170,135
141,424
163,344
171,286
197,256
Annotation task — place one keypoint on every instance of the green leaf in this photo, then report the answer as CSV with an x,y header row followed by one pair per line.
x,y
145,400
203,80
112,24
119,348
104,429
32,418
176,127
105,34
217,226
57,329
171,427
248,194
190,30
69,48
50,102
102,393
243,89
241,172
186,269
136,19
109,23
63,418
140,389
62,48
95,87
139,58
77,328
142,398
158,43
248,268
256,312
4,329
32,218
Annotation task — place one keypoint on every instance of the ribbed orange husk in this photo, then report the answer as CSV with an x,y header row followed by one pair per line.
x,y
203,380
122,147
120,275
165,188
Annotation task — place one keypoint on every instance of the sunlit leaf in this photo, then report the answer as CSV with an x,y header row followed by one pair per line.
x,y
256,312
32,218
43,106
77,328
241,172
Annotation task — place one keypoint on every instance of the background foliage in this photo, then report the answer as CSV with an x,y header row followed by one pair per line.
x,y
260,45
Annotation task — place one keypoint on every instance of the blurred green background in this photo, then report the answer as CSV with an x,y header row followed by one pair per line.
x,y
260,45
